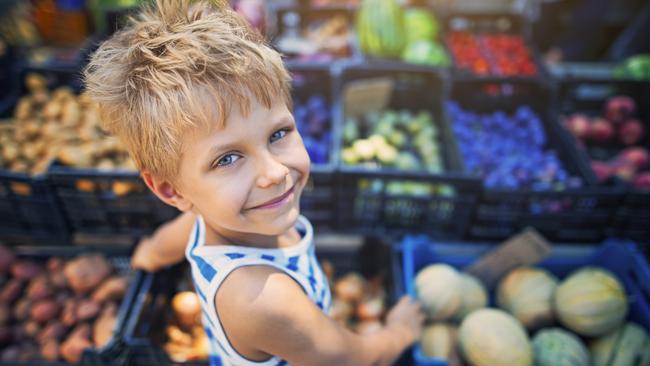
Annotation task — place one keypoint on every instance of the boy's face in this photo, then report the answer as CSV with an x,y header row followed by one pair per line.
x,y
247,177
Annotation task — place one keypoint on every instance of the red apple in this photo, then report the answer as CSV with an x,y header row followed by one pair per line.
x,y
631,132
638,157
602,170
642,181
601,130
578,125
619,108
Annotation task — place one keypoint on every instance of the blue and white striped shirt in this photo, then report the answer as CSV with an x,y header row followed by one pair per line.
x,y
212,264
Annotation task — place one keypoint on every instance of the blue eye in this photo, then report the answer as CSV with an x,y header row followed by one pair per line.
x,y
277,135
228,160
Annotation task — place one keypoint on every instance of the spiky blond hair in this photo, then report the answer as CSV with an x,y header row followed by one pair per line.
x,y
176,66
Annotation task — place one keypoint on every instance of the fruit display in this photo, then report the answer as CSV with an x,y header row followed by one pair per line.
x,y
440,341
357,302
627,346
473,296
314,122
320,39
527,293
614,140
380,28
591,302
57,125
509,151
186,338
393,139
491,54
557,347
490,337
51,311
422,44
325,3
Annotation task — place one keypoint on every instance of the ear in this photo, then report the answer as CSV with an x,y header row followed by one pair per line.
x,y
166,191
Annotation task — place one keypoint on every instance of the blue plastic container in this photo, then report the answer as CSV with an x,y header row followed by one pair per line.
x,y
621,257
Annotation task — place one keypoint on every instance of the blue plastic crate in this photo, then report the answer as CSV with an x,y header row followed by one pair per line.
x,y
621,257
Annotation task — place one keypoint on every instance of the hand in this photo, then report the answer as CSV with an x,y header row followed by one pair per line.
x,y
406,319
143,256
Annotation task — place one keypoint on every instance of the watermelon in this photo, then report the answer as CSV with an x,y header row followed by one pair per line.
x,y
557,347
380,28
420,24
627,346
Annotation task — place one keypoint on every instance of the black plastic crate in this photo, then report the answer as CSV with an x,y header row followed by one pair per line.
x,y
588,95
391,201
573,214
114,352
145,329
494,23
108,202
29,211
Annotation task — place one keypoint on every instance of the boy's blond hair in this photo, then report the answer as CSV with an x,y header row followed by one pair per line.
x,y
178,66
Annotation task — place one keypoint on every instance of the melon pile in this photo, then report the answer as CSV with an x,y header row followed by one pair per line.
x,y
539,320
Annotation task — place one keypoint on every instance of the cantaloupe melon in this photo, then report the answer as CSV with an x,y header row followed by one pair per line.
x,y
591,302
440,341
473,296
491,337
527,294
438,288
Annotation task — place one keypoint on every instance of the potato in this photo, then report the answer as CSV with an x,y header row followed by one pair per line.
x,y
32,328
86,272
187,308
112,288
11,291
177,336
87,309
53,330
72,349
25,270
35,82
81,331
69,313
39,289
74,156
45,310
58,280
103,327
63,93
22,309
50,350
71,113
52,109
40,97
10,152
23,109
7,257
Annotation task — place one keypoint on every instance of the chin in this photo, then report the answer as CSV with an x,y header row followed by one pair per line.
x,y
282,223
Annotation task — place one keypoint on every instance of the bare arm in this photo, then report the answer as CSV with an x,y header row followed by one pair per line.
x,y
265,312
166,246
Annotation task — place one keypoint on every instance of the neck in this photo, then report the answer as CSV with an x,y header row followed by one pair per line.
x,y
221,236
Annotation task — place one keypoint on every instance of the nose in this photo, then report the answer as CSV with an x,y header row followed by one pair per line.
x,y
271,171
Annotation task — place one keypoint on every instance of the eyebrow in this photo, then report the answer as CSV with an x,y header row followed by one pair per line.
x,y
219,149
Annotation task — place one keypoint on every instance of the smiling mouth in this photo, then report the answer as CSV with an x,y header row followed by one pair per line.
x,y
278,201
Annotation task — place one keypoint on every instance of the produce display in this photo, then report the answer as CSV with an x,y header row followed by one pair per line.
x,y
57,125
320,40
509,151
635,68
422,44
590,303
314,122
614,142
357,302
491,54
557,347
323,3
54,310
393,139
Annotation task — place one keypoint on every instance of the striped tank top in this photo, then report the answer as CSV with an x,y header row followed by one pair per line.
x,y
212,264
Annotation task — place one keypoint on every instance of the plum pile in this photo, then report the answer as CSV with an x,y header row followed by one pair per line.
x,y
313,119
614,140
509,151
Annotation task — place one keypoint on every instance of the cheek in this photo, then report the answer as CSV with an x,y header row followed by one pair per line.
x,y
223,196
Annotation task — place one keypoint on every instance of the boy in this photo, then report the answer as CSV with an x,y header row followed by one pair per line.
x,y
203,105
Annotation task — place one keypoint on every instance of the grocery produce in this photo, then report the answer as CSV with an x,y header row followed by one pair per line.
x,y
393,139
491,54
57,125
186,338
438,287
313,120
440,341
527,294
422,46
380,28
509,151
591,302
557,347
490,337
629,345
187,308
44,316
473,296
426,53
614,141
